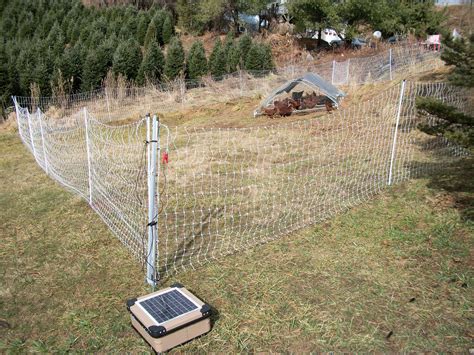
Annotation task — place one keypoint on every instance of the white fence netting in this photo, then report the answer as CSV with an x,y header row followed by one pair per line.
x,y
129,102
225,190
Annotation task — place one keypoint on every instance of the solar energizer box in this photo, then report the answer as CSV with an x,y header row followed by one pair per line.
x,y
169,317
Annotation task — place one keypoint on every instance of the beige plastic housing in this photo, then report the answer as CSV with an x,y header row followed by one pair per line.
x,y
190,325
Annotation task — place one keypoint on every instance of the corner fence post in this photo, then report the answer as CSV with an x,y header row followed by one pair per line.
x,y
390,61
17,110
88,151
153,147
45,157
31,135
394,143
333,70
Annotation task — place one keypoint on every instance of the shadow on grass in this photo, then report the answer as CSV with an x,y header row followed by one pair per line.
x,y
456,178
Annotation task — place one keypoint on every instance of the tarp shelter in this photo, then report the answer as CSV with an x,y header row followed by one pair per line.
x,y
311,80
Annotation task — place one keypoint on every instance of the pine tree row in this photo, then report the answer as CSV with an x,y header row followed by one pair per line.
x,y
62,44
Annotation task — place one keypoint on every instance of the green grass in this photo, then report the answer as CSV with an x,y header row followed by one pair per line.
x,y
400,264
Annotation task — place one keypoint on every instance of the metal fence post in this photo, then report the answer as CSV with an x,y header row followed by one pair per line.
x,y
333,70
394,143
89,158
45,158
151,274
390,61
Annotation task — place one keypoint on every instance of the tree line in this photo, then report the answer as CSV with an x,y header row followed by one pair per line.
x,y
64,47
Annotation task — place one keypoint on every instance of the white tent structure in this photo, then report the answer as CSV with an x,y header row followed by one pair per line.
x,y
311,80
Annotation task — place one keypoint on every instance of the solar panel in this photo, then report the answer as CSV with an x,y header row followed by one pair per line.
x,y
168,305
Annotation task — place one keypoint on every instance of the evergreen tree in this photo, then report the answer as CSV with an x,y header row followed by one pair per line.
x,y
168,30
245,42
14,78
56,39
96,65
159,19
215,49
197,62
460,54
454,125
127,59
317,14
150,34
42,78
228,43
268,63
174,65
233,58
26,63
142,28
70,65
152,64
5,86
74,32
255,58
85,35
189,16
229,40
218,60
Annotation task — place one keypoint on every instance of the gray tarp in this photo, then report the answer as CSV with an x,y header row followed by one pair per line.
x,y
311,80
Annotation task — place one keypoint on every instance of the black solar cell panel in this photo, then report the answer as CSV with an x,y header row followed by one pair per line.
x,y
168,305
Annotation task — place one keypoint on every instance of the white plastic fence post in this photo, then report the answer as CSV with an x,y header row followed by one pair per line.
x,y
394,143
31,135
390,61
333,69
152,205
45,158
17,110
148,139
89,158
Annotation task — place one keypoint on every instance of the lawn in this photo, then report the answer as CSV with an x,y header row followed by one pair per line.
x,y
393,274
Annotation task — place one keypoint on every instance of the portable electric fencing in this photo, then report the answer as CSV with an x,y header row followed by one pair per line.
x,y
169,317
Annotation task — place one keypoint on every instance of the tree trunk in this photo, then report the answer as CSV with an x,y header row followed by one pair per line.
x,y
320,33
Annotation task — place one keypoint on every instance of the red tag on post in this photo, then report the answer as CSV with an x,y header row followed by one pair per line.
x,y
164,159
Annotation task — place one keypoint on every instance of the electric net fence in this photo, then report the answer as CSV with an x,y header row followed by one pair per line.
x,y
180,198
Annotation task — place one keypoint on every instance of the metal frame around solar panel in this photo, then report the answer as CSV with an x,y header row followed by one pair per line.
x,y
179,314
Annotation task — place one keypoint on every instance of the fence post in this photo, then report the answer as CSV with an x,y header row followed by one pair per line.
x,y
31,135
45,158
333,69
88,151
153,143
17,110
394,143
390,61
